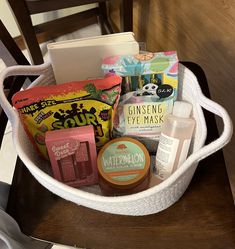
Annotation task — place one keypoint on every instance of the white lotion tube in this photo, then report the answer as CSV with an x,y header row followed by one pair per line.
x,y
175,139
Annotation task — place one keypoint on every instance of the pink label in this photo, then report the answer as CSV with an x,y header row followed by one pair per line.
x,y
65,149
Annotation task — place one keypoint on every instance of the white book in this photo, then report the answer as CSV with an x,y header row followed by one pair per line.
x,y
81,59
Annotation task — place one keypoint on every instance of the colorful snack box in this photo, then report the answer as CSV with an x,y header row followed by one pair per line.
x,y
69,105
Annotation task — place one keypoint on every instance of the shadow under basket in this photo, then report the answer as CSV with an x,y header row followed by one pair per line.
x,y
152,200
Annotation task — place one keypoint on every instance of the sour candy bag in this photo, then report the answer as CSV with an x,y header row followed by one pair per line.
x,y
90,102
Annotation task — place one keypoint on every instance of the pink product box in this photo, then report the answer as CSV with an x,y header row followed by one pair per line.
x,y
73,156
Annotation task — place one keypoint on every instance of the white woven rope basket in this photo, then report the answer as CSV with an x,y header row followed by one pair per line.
x,y
150,201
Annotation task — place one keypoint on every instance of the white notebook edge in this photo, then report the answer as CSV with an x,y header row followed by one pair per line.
x,y
122,37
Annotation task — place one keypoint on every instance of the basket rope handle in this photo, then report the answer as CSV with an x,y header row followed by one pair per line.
x,y
202,100
226,134
30,70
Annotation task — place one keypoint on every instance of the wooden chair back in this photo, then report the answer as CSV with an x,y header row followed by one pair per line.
x,y
33,35
11,55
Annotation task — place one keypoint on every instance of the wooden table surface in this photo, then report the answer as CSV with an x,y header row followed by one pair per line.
x,y
203,218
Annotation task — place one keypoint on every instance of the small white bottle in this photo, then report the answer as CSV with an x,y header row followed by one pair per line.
x,y
174,140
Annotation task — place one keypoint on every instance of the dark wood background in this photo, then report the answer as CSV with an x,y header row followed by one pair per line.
x,y
202,32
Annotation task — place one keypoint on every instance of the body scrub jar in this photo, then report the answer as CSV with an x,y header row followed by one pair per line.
x,y
123,166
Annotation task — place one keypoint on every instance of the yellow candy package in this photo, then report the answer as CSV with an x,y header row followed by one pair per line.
x,y
89,102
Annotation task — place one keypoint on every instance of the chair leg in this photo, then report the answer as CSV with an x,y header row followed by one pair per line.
x,y
23,19
8,42
126,15
106,27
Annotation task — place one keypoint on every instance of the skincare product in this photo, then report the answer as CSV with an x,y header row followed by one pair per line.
x,y
174,140
72,154
149,89
123,166
146,73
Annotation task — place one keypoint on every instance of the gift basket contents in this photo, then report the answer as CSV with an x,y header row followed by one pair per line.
x,y
104,130
112,128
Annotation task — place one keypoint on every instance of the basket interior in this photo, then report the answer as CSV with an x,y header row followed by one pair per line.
x,y
186,92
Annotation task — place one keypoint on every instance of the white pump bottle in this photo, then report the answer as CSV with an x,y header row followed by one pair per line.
x,y
174,140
